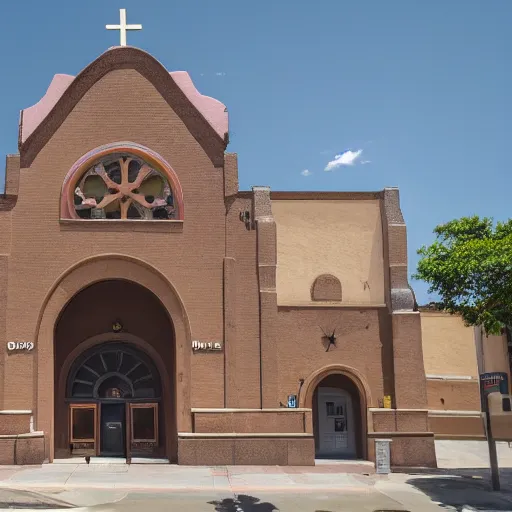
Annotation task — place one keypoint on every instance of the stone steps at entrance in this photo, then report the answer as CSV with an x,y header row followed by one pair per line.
x,y
110,460
348,462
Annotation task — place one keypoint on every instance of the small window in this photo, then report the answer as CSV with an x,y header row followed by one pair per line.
x,y
326,287
82,435
83,423
144,423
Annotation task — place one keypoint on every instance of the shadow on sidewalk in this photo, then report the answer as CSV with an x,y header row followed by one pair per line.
x,y
242,502
459,487
246,504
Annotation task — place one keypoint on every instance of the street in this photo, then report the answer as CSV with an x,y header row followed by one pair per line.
x,y
199,501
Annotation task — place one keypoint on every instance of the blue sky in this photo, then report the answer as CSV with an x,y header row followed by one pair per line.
x,y
422,88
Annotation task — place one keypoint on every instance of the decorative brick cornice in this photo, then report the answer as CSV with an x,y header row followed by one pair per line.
x,y
401,296
325,196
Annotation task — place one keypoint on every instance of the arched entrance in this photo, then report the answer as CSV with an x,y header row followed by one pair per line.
x,y
337,419
114,350
114,396
50,402
338,396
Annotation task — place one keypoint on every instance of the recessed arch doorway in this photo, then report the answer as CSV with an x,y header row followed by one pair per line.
x,y
338,397
114,367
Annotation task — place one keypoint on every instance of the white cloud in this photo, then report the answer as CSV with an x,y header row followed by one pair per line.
x,y
346,158
220,73
364,162
305,172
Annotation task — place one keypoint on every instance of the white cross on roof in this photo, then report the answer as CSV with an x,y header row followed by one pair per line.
x,y
123,27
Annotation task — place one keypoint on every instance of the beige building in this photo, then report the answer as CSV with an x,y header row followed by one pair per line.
x,y
454,356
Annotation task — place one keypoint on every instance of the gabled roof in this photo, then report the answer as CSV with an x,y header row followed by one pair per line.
x,y
205,117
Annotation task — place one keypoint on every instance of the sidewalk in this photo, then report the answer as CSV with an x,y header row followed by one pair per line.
x,y
87,485
470,454
232,479
118,487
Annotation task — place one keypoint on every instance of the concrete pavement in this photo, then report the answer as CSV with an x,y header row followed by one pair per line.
x,y
321,488
470,454
224,489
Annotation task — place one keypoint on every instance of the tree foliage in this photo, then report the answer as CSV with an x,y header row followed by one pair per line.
x,y
470,267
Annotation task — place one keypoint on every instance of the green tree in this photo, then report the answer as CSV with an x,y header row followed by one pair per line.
x,y
469,266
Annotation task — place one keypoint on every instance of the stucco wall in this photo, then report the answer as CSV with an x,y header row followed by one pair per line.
x,y
338,237
450,358
496,354
448,345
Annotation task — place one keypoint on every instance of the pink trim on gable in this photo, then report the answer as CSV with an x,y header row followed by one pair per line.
x,y
32,116
213,110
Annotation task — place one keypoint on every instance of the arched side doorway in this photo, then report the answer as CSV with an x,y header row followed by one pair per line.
x,y
339,398
337,419
114,396
50,371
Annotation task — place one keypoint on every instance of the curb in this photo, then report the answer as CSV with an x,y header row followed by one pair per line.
x,y
213,489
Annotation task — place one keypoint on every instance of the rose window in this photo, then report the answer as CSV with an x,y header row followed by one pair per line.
x,y
124,187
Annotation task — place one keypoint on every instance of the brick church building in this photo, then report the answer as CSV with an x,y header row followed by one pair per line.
x,y
151,309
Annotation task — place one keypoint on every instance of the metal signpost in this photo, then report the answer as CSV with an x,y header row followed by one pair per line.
x,y
489,383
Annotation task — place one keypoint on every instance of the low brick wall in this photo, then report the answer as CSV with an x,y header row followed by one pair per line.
x,y
234,450
273,437
410,432
457,425
22,449
251,420
400,420
14,422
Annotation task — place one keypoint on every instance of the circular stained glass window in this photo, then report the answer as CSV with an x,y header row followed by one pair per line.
x,y
123,186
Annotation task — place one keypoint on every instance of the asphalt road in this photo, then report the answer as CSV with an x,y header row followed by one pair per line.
x,y
290,502
164,501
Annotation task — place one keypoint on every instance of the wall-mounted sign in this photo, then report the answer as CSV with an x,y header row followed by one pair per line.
x,y
20,345
206,346
492,382
292,401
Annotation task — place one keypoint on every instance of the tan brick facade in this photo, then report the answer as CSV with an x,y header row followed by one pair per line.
x,y
236,268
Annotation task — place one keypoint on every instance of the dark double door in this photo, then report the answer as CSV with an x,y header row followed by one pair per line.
x,y
113,430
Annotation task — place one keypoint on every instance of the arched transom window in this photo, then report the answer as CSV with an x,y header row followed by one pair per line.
x,y
113,370
124,186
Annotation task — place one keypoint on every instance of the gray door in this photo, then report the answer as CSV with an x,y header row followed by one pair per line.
x,y
113,430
